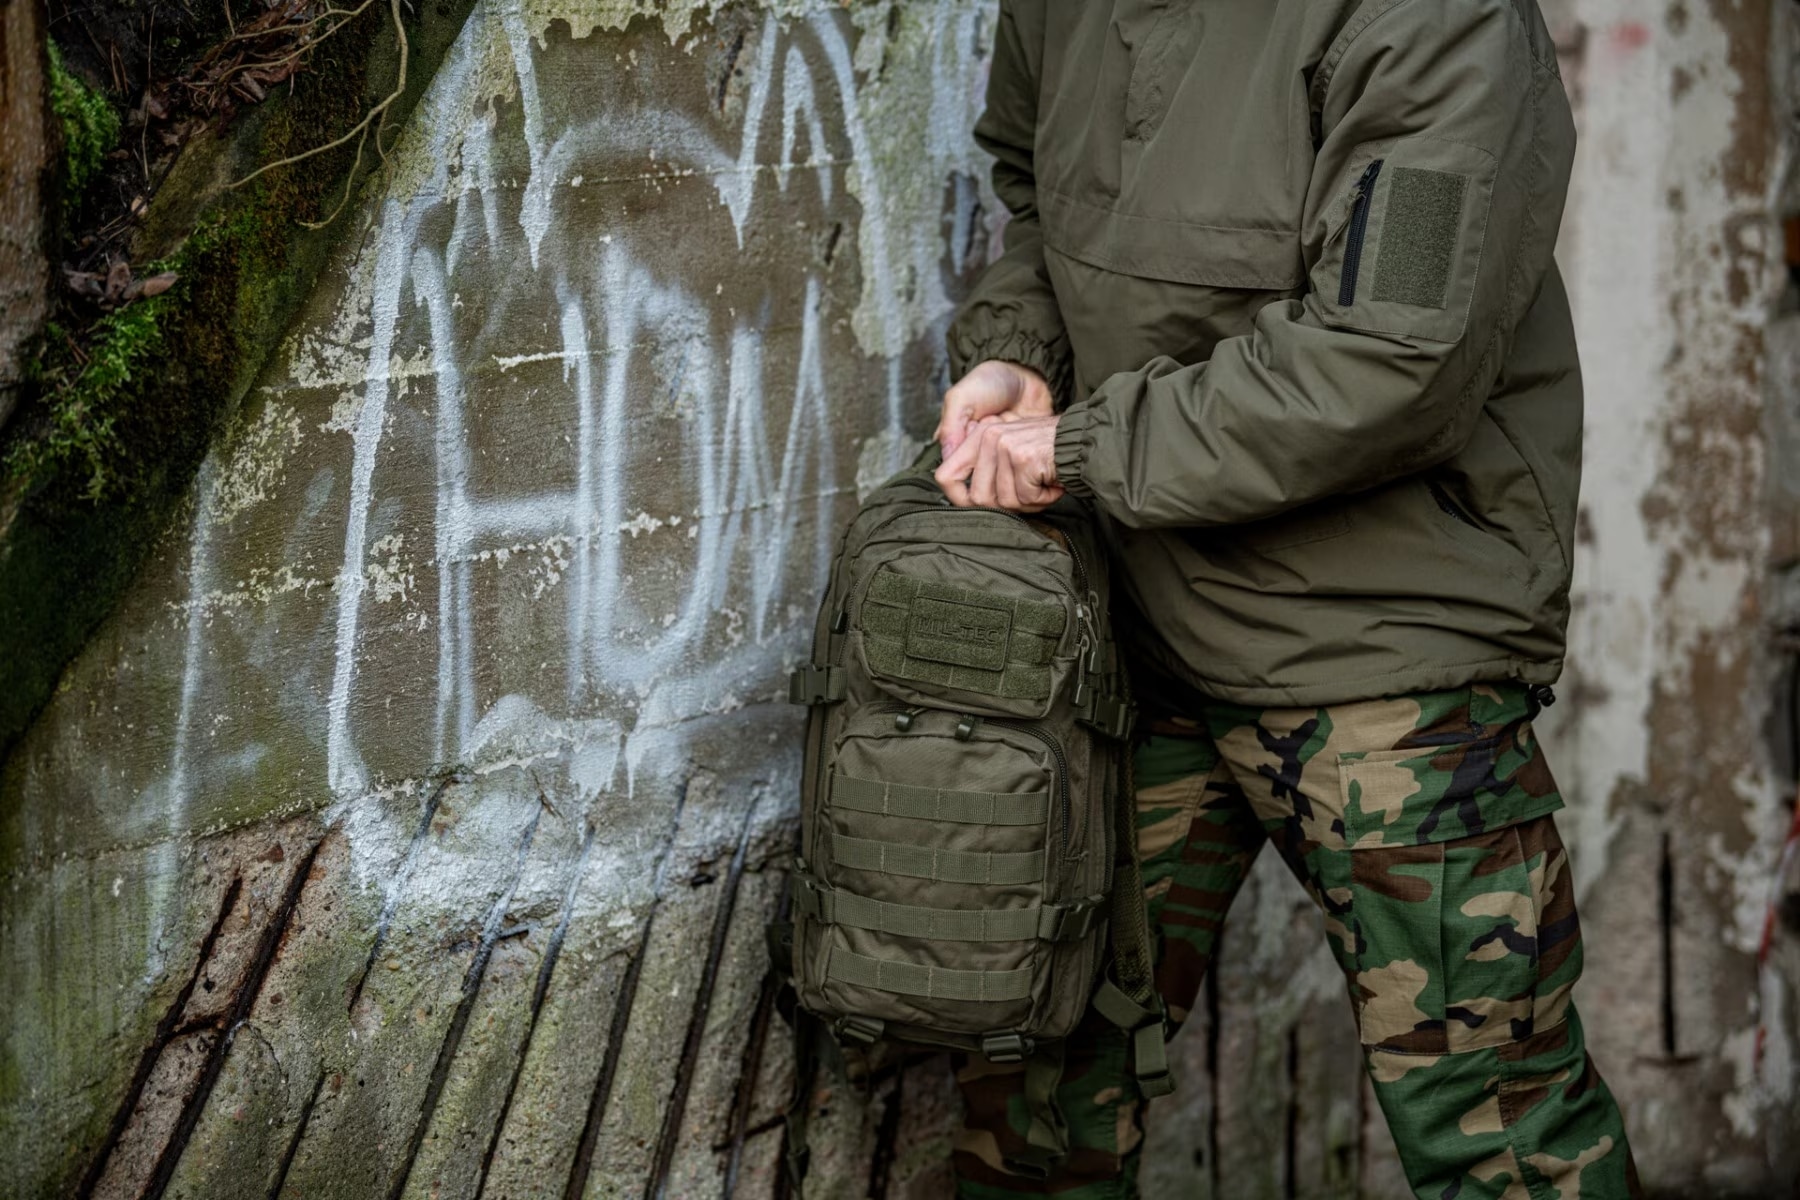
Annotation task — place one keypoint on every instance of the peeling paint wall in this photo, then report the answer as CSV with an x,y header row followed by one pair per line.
x,y
1668,733
411,828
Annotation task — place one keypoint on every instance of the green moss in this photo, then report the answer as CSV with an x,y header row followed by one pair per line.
x,y
90,129
84,414
99,459
153,380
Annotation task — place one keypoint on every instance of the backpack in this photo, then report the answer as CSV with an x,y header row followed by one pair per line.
x,y
967,874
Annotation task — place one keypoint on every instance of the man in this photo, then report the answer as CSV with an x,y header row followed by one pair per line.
x,y
1278,297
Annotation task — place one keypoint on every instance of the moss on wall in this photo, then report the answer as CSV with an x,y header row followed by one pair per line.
x,y
90,128
82,415
100,462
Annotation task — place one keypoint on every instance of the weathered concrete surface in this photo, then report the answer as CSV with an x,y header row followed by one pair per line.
x,y
410,830
27,146
407,830
1666,737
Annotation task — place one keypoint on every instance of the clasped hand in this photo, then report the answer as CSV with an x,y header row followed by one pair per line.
x,y
998,431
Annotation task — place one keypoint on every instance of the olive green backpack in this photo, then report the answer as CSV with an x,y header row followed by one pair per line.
x,y
968,873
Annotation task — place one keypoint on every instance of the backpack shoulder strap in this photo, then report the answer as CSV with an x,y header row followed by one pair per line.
x,y
1127,996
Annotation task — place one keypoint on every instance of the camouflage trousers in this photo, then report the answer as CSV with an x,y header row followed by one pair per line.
x,y
1421,827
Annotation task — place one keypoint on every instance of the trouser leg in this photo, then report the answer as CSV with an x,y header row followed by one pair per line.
x,y
1197,839
1524,1120
1421,825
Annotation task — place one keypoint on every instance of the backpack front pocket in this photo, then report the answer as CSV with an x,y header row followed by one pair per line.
x,y
947,630
937,887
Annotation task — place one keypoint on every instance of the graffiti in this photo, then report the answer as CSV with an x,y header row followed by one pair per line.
x,y
740,497
482,614
411,827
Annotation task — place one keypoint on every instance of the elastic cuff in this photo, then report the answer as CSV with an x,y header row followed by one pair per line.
x,y
1072,443
1049,359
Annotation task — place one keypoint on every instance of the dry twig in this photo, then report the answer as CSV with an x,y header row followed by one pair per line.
x,y
375,118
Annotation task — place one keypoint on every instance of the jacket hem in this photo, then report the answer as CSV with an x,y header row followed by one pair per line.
x,y
1412,681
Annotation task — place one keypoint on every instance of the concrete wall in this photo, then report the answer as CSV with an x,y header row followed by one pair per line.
x,y
1670,739
408,825
410,829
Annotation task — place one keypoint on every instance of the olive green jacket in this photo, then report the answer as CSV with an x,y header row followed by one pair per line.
x,y
1289,265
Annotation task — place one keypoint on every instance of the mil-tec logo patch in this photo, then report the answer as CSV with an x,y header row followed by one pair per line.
x,y
967,635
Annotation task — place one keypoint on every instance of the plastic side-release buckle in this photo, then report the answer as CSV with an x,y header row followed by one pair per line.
x,y
864,1031
1069,922
1149,1031
1150,1052
1006,1047
812,898
815,685
1109,715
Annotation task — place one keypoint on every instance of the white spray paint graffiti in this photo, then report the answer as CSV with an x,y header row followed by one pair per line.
x,y
746,489
344,772
607,362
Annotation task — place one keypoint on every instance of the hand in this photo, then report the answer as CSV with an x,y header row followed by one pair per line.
x,y
991,389
1005,463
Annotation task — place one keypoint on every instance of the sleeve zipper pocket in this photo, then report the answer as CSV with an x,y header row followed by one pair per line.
x,y
1359,229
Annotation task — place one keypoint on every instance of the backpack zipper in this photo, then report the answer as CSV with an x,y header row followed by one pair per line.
x,y
1062,769
1359,229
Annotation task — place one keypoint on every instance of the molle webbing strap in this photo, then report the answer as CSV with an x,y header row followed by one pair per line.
x,y
939,804
960,637
1050,922
944,866
934,983
1134,963
1048,1134
1128,999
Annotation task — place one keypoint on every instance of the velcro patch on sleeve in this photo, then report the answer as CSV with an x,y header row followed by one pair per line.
x,y
1418,241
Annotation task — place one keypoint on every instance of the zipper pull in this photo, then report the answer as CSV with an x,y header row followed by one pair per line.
x,y
965,728
1083,655
904,721
1358,194
1087,650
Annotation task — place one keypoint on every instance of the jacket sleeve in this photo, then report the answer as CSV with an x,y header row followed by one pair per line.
x,y
1429,224
1011,313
